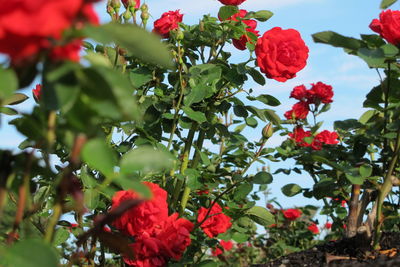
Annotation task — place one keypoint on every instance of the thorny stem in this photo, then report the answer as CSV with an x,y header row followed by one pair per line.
x,y
258,153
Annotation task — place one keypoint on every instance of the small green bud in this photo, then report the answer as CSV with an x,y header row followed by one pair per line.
x,y
268,131
180,35
144,8
144,16
127,15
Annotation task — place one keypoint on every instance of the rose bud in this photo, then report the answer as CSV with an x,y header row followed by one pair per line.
x,y
268,131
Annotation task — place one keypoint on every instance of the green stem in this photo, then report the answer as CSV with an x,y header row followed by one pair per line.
x,y
57,210
195,162
255,157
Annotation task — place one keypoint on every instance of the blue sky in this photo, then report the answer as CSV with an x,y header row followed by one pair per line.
x,y
349,76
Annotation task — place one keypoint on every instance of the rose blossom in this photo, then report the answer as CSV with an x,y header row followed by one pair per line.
x,y
328,225
29,27
388,26
216,223
281,53
324,137
144,216
168,22
147,252
232,2
299,111
227,245
298,136
299,92
292,214
313,228
320,92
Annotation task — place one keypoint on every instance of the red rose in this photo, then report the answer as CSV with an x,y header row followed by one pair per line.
x,y
299,111
147,251
324,137
216,223
69,51
37,92
232,2
135,3
313,228
298,136
388,26
251,27
203,192
299,92
168,22
281,53
27,27
320,92
328,225
292,214
143,217
175,236
217,251
227,245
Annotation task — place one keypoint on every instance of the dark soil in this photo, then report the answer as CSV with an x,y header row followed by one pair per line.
x,y
346,252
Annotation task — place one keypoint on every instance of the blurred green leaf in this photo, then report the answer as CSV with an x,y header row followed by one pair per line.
x,y
195,115
98,155
226,12
337,40
61,235
260,215
8,84
262,178
387,3
15,99
291,190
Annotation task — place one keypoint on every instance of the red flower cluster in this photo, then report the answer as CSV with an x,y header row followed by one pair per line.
x,y
158,237
328,225
232,2
388,26
292,214
281,53
313,228
319,93
216,223
251,27
226,246
324,137
168,22
28,27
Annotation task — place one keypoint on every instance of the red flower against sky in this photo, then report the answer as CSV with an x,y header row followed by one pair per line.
x,y
299,93
292,214
313,228
320,92
298,136
232,2
388,26
324,137
27,27
168,22
127,2
216,223
299,111
281,53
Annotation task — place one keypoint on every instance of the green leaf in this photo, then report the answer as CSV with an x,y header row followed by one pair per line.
x,y
226,12
15,99
8,111
355,179
262,15
272,117
251,121
140,76
60,236
256,75
365,171
387,3
337,40
8,83
127,183
145,159
375,58
262,178
291,190
195,115
98,155
91,198
207,263
29,253
268,100
323,188
137,41
240,237
260,215
242,191
366,116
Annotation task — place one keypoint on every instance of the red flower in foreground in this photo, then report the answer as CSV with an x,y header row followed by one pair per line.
x,y
216,223
168,22
313,228
216,251
27,27
292,214
226,246
232,2
298,136
251,27
299,111
388,26
281,53
143,217
37,92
